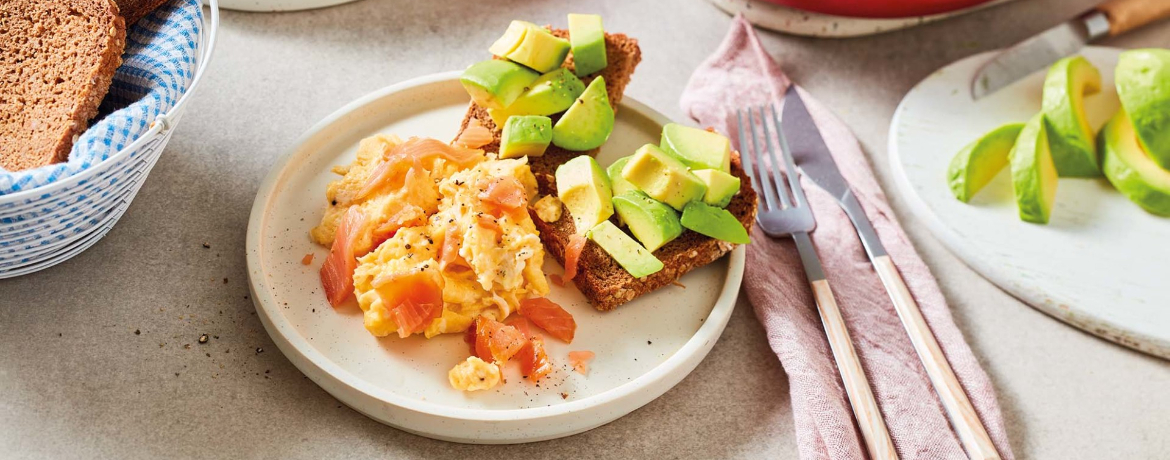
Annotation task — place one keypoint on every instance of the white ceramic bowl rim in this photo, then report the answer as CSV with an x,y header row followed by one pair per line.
x,y
709,331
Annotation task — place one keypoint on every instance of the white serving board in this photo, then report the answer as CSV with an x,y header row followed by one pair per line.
x,y
643,348
1101,264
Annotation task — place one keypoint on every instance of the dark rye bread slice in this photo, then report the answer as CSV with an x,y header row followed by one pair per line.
x,y
57,59
605,283
133,10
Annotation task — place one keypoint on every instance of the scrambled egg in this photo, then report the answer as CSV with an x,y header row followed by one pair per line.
x,y
474,374
548,208
505,264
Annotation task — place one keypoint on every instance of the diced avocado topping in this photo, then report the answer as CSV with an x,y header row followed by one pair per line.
x,y
1143,84
587,38
552,93
714,222
584,189
588,123
511,39
697,148
537,49
1128,168
652,222
1069,135
495,84
525,135
721,186
620,185
979,162
663,177
628,253
1033,172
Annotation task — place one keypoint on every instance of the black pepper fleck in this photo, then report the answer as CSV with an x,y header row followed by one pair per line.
x,y
136,332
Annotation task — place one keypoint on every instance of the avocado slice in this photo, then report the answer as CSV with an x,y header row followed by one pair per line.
x,y
511,38
721,186
1131,170
587,39
697,148
652,222
495,84
584,189
537,49
979,162
1033,172
525,135
1070,137
663,177
621,186
628,253
588,123
714,222
1143,83
551,93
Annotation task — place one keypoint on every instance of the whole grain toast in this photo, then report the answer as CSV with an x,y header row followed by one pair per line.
x,y
133,10
599,277
57,60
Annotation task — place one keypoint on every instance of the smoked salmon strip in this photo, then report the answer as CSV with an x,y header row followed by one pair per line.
x,y
475,136
572,256
534,363
549,316
416,151
580,361
337,271
505,193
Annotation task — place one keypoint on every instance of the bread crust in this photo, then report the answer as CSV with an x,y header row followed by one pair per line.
x,y
133,10
599,277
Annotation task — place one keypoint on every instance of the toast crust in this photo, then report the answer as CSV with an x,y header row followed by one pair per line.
x,y
599,277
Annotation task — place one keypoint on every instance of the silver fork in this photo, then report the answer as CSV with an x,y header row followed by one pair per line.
x,y
780,216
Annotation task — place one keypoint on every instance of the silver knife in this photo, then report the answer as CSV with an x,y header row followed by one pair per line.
x,y
803,139
1111,18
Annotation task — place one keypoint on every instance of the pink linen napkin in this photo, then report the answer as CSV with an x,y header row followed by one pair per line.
x,y
739,74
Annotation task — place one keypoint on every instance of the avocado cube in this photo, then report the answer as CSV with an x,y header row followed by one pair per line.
x,y
697,148
652,222
663,177
628,253
495,84
621,186
552,93
511,39
714,222
721,186
587,39
584,189
538,49
525,135
588,123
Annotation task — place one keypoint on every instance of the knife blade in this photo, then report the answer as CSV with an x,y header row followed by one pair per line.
x,y
812,156
1038,52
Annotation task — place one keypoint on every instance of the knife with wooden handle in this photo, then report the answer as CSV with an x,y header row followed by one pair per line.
x,y
1108,19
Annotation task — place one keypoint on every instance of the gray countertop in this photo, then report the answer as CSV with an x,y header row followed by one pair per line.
x,y
94,360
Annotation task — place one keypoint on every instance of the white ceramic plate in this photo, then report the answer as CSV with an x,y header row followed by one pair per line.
x,y
643,348
277,5
1100,263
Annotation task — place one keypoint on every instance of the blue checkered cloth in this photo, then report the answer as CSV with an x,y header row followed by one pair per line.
x,y
157,67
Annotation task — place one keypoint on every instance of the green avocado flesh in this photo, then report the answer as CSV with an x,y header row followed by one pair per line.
x,y
714,222
495,84
535,48
638,261
697,148
663,177
526,135
721,186
584,189
511,39
587,39
1131,170
1033,172
979,162
1143,84
1070,137
620,185
652,222
588,123
552,93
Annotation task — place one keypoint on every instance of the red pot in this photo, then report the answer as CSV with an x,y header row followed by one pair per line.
x,y
879,8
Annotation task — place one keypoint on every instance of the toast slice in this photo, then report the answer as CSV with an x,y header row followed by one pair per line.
x,y
599,277
57,60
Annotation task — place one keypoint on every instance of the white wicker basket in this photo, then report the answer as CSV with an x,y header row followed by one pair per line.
x,y
47,225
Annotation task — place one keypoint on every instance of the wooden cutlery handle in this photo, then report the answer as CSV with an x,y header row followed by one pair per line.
x,y
1126,15
865,408
954,400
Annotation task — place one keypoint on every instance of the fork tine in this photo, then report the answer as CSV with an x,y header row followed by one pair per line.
x,y
776,174
746,153
768,184
789,163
